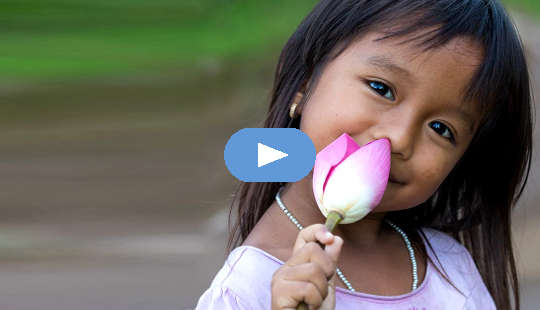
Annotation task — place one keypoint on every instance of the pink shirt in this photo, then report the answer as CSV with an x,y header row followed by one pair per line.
x,y
244,283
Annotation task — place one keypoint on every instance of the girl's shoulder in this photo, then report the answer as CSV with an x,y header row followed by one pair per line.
x,y
445,251
244,280
442,246
443,242
453,261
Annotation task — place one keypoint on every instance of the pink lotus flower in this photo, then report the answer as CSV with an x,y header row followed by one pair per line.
x,y
350,179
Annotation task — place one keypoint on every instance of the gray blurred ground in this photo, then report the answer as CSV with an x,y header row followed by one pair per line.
x,y
128,210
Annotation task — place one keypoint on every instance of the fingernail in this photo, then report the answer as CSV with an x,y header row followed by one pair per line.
x,y
328,235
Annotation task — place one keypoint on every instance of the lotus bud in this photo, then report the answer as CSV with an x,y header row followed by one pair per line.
x,y
348,180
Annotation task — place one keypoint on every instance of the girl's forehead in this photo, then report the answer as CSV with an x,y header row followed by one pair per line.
x,y
442,73
460,51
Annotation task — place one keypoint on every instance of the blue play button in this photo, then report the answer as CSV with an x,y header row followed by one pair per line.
x,y
269,155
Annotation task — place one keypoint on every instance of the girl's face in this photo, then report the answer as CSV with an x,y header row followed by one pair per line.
x,y
380,89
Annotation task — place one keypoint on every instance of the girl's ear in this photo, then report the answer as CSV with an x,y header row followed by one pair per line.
x,y
295,108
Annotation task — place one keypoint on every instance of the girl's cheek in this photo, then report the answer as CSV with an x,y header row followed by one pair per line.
x,y
432,166
337,105
325,125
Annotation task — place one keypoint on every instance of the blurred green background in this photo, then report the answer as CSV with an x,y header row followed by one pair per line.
x,y
113,119
73,39
53,39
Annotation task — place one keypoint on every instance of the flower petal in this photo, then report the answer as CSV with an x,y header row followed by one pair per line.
x,y
357,184
326,159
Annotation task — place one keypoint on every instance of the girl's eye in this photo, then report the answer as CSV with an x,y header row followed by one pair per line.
x,y
442,130
439,127
382,89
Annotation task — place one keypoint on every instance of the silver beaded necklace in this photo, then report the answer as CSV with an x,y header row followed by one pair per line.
x,y
339,273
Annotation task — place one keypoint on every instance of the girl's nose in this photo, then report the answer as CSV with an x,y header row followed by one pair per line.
x,y
401,130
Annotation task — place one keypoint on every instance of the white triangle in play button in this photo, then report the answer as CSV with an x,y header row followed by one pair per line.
x,y
266,154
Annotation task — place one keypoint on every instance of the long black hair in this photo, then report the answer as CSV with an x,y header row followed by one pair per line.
x,y
474,202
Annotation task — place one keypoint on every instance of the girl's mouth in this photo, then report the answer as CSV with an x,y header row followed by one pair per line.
x,y
393,180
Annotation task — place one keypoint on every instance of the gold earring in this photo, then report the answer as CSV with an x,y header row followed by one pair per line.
x,y
297,99
292,109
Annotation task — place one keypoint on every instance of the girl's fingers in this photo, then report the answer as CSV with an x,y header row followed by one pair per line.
x,y
329,302
312,253
334,249
308,272
288,294
309,275
312,233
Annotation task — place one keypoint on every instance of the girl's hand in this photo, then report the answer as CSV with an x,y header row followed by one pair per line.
x,y
309,275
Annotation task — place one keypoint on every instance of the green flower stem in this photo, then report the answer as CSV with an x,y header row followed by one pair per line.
x,y
332,220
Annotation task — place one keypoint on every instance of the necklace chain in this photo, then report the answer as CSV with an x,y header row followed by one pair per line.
x,y
338,271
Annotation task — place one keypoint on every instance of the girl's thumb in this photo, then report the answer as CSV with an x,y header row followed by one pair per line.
x,y
329,303
333,281
334,249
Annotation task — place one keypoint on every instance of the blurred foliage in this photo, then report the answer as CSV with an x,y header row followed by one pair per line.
x,y
59,39
531,7
74,38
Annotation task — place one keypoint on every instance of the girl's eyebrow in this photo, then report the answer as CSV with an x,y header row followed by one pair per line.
x,y
386,63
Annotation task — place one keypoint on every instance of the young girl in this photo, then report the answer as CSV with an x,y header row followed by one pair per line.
x,y
447,83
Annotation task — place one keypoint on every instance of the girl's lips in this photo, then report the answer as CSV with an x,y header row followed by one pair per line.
x,y
393,180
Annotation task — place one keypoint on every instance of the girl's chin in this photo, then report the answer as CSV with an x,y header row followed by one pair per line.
x,y
391,191
389,206
384,209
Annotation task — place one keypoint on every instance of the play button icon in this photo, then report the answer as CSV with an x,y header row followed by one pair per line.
x,y
269,155
266,154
